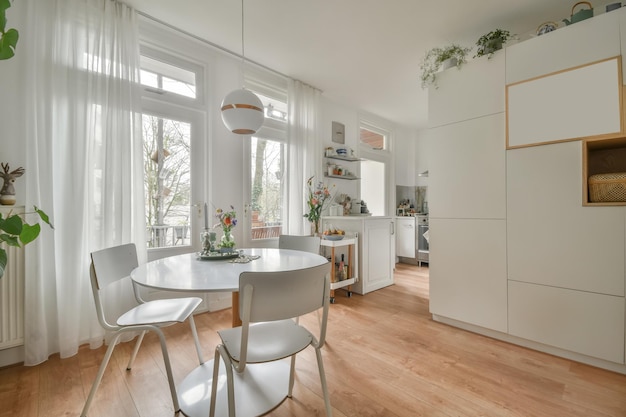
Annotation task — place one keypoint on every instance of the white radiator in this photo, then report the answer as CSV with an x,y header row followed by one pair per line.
x,y
12,294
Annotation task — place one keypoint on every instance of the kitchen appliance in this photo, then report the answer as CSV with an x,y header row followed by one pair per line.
x,y
421,241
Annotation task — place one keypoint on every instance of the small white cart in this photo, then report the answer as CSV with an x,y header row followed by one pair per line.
x,y
346,284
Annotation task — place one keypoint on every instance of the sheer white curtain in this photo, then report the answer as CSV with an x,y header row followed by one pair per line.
x,y
304,158
84,161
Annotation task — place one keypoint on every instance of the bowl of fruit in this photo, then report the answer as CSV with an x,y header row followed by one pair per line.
x,y
333,234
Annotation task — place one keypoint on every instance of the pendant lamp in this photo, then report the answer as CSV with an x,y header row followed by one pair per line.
x,y
242,110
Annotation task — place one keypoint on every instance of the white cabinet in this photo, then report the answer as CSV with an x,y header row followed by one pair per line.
x,y
405,237
579,102
467,169
378,257
468,271
376,249
584,42
551,238
577,321
456,99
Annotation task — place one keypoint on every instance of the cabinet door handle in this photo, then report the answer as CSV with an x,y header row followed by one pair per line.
x,y
392,228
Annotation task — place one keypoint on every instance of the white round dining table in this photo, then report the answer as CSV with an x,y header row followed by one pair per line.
x,y
188,273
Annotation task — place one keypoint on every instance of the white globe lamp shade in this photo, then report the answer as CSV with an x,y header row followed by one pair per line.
x,y
242,112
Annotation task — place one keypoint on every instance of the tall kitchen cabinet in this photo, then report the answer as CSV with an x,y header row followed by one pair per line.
x,y
566,260
467,199
517,250
376,254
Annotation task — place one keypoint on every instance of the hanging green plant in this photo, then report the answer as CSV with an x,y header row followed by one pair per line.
x,y
8,37
441,58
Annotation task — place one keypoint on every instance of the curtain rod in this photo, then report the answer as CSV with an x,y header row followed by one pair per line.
x,y
221,48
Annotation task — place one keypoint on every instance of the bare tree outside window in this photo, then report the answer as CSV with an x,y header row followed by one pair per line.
x,y
167,184
267,179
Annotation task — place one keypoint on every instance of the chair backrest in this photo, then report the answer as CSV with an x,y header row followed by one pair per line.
x,y
270,296
303,243
108,266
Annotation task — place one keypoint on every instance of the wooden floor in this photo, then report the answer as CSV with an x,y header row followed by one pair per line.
x,y
384,357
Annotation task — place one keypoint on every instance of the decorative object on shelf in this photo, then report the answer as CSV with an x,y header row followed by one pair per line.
x,y
318,196
547,27
580,15
242,110
607,187
438,59
338,133
613,6
227,220
7,193
8,37
491,42
16,232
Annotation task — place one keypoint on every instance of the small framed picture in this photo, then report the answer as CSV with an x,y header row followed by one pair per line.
x,y
338,135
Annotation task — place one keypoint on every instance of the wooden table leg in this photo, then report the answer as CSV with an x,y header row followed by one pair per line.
x,y
236,318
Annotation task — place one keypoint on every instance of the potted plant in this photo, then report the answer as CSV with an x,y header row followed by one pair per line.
x,y
438,59
492,42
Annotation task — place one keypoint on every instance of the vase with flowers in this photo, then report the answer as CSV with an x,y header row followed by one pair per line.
x,y
318,196
227,220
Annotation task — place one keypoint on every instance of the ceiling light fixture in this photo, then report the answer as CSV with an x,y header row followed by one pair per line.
x,y
242,110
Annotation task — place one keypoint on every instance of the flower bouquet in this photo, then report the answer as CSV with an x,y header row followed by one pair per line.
x,y
318,196
227,220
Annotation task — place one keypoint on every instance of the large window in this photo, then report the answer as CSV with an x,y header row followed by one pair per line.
x,y
266,199
172,138
266,187
167,173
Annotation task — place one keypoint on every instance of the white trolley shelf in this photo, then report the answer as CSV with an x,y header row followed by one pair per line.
x,y
346,284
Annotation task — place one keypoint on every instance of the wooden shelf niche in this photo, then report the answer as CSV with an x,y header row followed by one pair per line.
x,y
602,156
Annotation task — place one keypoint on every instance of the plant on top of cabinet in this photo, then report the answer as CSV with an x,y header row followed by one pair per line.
x,y
441,58
492,42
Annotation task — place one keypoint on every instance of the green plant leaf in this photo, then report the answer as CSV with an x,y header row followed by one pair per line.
x,y
4,5
8,42
29,233
9,239
44,217
12,225
3,261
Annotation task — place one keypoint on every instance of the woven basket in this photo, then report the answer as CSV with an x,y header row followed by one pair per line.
x,y
607,187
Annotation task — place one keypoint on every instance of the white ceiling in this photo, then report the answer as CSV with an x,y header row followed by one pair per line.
x,y
362,53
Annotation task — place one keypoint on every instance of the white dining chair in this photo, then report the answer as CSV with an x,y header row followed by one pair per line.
x,y
114,264
303,243
269,303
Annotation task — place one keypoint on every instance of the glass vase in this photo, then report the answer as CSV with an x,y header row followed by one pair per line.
x,y
227,243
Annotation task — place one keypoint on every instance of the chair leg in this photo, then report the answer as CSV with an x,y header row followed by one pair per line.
x,y
168,369
194,331
96,382
292,372
135,350
220,351
216,374
320,365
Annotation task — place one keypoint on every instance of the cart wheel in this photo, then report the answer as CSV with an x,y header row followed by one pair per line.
x,y
349,294
332,300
